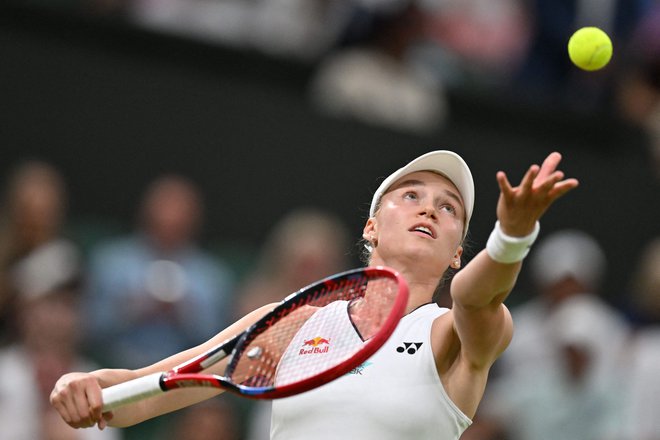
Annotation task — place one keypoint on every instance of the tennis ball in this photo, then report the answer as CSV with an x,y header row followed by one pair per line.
x,y
590,48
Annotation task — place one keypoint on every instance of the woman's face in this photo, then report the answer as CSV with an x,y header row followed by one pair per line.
x,y
420,220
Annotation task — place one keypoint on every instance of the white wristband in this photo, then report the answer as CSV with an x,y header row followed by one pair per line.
x,y
507,249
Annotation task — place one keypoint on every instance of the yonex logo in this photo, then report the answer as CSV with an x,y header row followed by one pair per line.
x,y
409,347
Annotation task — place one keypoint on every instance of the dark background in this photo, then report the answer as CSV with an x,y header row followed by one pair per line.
x,y
113,107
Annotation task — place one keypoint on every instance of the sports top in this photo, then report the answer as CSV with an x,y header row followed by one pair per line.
x,y
396,394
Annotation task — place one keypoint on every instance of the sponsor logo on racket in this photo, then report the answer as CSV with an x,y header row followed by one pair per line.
x,y
316,345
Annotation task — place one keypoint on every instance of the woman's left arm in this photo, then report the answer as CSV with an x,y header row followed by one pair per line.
x,y
481,320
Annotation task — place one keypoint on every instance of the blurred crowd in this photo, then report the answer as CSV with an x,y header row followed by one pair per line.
x,y
395,63
578,367
132,299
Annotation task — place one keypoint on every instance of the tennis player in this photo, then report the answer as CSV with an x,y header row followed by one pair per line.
x,y
428,379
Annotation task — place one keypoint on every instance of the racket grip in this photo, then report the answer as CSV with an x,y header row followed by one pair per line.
x,y
131,391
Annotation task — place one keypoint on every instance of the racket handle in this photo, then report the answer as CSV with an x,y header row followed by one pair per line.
x,y
131,391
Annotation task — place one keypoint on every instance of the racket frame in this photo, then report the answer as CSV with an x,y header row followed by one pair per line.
x,y
368,349
188,373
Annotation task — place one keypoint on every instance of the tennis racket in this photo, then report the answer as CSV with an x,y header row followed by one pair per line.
x,y
313,336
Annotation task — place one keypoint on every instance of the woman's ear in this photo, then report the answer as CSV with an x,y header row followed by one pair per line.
x,y
456,261
369,231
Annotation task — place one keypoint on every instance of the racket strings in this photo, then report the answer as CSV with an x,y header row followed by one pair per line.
x,y
324,329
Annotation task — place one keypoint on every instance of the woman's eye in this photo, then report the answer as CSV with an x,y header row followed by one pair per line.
x,y
410,196
449,208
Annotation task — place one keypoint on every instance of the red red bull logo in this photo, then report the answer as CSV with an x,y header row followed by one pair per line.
x,y
315,345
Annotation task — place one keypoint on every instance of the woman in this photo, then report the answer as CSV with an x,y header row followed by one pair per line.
x,y
419,217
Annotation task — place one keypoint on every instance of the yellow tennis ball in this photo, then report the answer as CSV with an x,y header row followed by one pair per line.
x,y
590,48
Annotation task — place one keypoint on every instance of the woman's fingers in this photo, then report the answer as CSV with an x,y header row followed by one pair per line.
x,y
77,398
503,182
563,187
530,177
105,418
62,409
549,165
544,187
525,186
520,206
95,402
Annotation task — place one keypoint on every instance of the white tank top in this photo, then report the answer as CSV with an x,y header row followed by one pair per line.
x,y
396,394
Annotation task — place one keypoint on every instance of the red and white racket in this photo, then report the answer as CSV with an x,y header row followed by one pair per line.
x,y
313,336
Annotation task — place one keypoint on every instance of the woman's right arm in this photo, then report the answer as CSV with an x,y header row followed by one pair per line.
x,y
77,396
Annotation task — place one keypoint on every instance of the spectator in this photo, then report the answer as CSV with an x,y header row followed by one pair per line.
x,y
156,292
374,81
33,215
643,398
568,263
639,88
48,345
299,29
476,42
304,246
561,368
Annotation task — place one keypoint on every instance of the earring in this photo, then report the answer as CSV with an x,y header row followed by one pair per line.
x,y
371,241
457,263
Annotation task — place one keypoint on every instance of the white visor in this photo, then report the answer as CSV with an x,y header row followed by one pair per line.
x,y
446,163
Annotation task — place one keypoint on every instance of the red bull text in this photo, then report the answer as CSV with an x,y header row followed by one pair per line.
x,y
314,346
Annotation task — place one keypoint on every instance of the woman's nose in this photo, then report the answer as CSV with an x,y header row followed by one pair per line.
x,y
428,210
